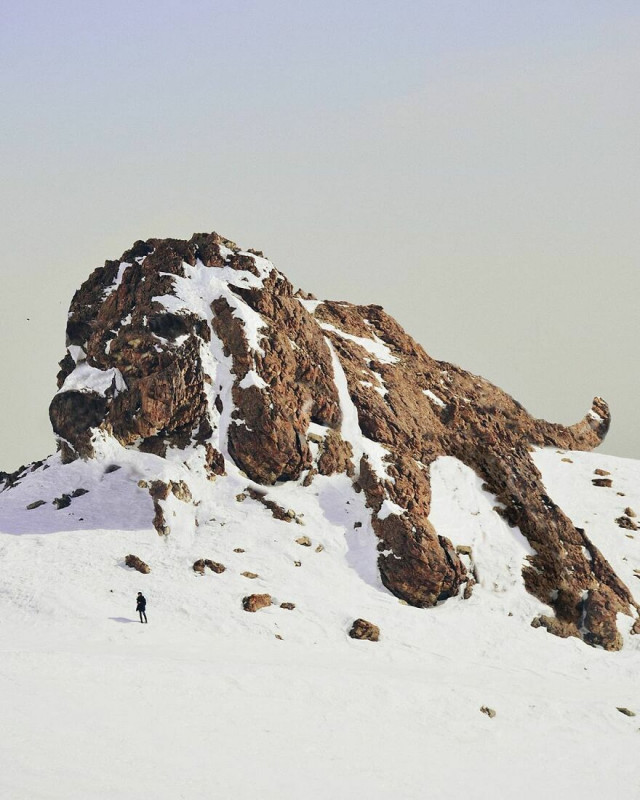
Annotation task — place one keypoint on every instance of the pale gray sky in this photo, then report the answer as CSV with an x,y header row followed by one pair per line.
x,y
472,166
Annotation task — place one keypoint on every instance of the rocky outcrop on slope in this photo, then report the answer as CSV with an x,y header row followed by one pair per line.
x,y
202,348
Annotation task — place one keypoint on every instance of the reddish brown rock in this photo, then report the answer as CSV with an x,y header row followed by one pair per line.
x,y
276,511
361,629
137,563
627,523
214,566
254,602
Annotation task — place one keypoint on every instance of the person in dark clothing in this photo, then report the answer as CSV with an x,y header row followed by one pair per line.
x,y
141,605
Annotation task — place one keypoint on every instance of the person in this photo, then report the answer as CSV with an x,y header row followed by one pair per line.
x,y
141,605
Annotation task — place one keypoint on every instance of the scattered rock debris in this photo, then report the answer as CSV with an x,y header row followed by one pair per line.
x,y
627,712
488,711
630,512
214,566
567,460
319,548
62,502
627,523
241,497
35,504
254,602
137,563
79,492
362,629
305,541
112,468
278,512
601,472
238,550
357,524
288,606
297,563
251,575
604,482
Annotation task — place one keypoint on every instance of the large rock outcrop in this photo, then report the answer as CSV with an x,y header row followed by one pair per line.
x,y
200,345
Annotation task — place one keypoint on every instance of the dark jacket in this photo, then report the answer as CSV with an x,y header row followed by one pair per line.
x,y
141,603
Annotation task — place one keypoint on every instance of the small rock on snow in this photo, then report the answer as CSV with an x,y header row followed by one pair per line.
x,y
363,629
254,602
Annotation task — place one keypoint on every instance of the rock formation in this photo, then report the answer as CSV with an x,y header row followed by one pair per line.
x,y
201,347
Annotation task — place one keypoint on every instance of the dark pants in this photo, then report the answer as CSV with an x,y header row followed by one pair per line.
x,y
142,614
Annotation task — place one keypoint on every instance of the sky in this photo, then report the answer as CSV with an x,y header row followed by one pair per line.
x,y
471,166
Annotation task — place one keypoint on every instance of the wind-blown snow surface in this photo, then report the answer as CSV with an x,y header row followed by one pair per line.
x,y
205,701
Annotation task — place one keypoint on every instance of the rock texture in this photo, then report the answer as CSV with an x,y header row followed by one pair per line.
x,y
133,562
362,629
198,345
254,602
214,566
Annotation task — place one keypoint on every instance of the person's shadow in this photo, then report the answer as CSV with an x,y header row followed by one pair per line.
x,y
122,619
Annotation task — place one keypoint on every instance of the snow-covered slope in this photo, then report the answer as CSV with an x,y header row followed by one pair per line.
x,y
249,443
208,700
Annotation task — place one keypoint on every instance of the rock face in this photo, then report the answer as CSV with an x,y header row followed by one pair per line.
x,y
198,345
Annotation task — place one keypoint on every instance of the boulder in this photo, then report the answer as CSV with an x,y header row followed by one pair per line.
x,y
137,563
362,629
254,602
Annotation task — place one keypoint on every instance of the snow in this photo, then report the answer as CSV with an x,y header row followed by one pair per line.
x,y
85,378
350,430
118,279
434,398
252,379
310,305
202,285
374,346
205,701
388,507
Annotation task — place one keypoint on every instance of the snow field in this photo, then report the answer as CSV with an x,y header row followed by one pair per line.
x,y
205,701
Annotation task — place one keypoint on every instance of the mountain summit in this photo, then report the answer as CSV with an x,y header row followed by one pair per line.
x,y
202,354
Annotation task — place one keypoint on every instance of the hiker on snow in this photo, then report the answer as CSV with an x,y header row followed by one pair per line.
x,y
141,604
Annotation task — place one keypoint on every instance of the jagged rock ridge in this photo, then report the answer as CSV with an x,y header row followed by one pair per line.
x,y
197,349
